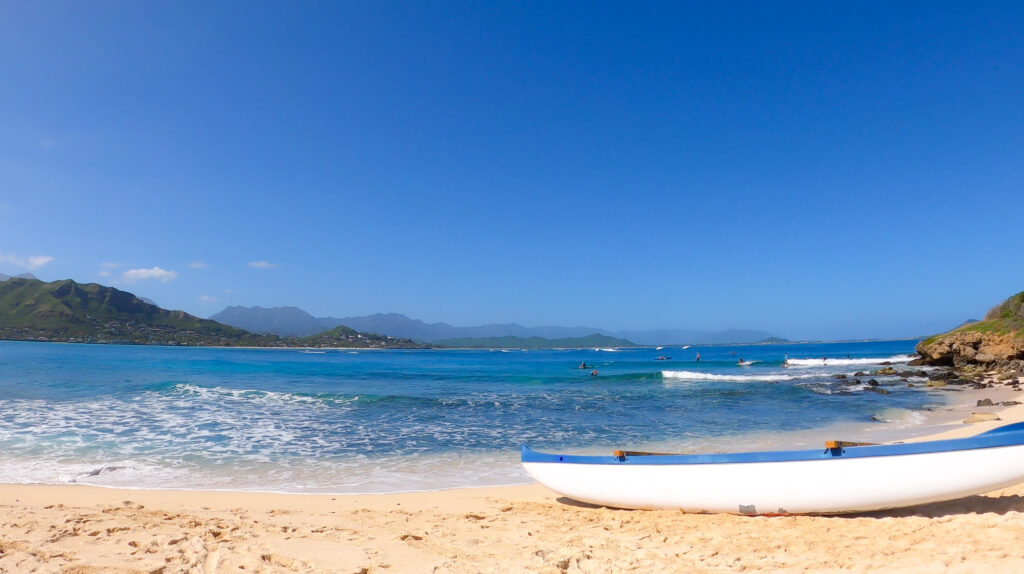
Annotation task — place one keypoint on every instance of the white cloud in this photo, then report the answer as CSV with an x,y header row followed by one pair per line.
x,y
164,275
208,299
106,265
104,273
198,265
31,263
261,265
37,261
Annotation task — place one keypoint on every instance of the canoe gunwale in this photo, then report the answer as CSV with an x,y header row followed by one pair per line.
x,y
1007,435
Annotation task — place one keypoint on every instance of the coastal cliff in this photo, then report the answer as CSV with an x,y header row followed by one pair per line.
x,y
994,341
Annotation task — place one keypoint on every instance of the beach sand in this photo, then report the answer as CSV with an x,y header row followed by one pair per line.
x,y
81,529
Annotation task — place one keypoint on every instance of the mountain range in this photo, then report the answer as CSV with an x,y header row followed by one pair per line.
x,y
32,310
22,276
292,321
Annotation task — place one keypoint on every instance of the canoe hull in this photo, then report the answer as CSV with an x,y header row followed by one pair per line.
x,y
823,486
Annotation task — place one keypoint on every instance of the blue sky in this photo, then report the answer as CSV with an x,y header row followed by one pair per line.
x,y
817,170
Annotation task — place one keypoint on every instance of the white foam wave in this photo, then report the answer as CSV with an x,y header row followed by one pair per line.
x,y
608,350
902,418
827,362
696,376
255,396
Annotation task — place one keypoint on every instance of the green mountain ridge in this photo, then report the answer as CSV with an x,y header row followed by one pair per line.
x,y
66,311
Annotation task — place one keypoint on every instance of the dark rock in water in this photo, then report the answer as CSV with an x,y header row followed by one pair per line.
x,y
885,371
873,383
878,390
985,403
919,362
860,374
840,377
943,375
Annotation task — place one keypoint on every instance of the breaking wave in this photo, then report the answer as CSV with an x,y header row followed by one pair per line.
x,y
827,362
696,376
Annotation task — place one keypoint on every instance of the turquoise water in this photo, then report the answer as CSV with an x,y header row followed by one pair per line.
x,y
386,421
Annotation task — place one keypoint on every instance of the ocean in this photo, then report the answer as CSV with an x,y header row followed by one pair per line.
x,y
363,421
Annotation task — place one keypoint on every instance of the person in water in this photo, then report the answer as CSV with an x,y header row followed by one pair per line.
x,y
740,362
583,365
698,355
593,373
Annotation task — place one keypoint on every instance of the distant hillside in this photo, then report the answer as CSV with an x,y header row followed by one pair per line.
x,y
594,340
32,310
68,311
22,276
342,336
285,321
295,321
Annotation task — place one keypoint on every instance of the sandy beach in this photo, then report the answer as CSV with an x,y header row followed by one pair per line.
x,y
82,529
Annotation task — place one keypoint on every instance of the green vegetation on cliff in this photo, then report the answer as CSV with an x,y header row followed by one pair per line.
x,y
66,311
1007,318
511,342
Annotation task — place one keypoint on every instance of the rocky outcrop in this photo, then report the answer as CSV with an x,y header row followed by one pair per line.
x,y
962,348
997,340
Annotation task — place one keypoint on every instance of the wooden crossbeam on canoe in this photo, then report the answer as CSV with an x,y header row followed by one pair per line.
x,y
625,453
845,443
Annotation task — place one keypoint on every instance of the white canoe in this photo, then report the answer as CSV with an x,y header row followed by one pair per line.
x,y
841,479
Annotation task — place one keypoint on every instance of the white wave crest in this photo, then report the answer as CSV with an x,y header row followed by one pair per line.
x,y
826,362
900,417
255,396
695,376
608,350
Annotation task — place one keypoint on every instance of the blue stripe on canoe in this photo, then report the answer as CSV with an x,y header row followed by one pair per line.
x,y
1007,435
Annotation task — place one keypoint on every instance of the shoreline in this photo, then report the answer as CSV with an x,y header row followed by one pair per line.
x,y
523,528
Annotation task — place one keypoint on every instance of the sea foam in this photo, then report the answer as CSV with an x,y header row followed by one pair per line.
x,y
697,376
830,362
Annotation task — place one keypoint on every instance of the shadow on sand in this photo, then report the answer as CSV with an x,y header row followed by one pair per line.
x,y
977,504
969,505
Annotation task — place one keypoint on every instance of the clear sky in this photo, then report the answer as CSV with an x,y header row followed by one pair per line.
x,y
822,170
